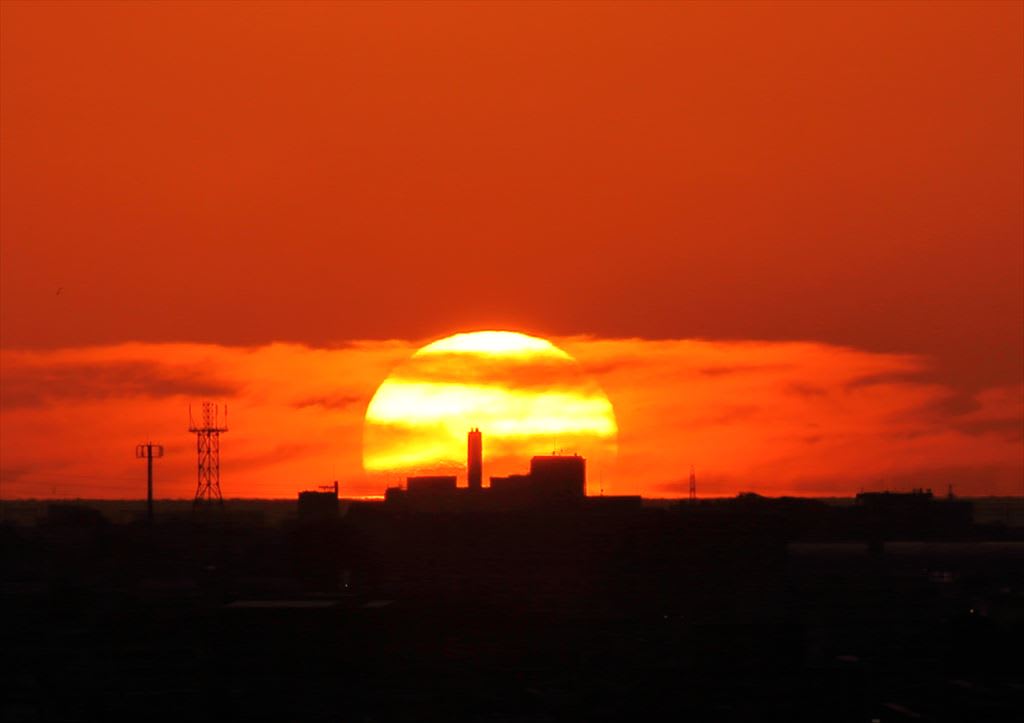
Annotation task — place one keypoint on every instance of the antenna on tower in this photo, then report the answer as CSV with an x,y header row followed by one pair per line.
x,y
208,452
693,485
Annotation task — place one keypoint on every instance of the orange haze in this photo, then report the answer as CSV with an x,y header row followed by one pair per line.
x,y
771,417
205,199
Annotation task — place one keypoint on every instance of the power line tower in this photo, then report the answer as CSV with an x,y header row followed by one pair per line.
x,y
208,452
149,452
693,485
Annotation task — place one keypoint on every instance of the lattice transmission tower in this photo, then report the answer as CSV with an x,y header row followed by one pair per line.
x,y
208,452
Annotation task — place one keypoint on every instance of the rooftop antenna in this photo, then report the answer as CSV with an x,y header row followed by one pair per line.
x,y
693,485
149,452
208,452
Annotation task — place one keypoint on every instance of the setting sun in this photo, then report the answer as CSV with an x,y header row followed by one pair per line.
x,y
525,394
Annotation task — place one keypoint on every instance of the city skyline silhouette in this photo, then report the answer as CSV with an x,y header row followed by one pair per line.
x,y
587,361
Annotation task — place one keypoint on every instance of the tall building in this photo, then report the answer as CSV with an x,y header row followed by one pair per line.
x,y
559,476
475,461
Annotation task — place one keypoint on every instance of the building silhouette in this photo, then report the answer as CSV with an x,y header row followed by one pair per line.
x,y
319,504
475,459
553,482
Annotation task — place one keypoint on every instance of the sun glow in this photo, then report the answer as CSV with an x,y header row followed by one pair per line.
x,y
526,395
494,343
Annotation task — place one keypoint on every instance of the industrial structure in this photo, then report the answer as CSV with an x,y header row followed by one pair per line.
x,y
208,433
475,459
551,478
554,482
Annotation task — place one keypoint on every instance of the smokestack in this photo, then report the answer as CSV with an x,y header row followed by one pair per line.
x,y
475,462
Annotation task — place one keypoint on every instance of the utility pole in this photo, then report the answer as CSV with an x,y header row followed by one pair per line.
x,y
693,485
149,451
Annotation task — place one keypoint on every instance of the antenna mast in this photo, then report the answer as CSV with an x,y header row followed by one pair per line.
x,y
208,453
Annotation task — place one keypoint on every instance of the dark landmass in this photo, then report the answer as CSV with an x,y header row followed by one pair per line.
x,y
745,609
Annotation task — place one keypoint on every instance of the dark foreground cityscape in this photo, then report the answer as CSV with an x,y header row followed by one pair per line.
x,y
524,601
724,250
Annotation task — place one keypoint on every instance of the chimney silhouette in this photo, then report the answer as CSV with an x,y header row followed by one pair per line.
x,y
475,462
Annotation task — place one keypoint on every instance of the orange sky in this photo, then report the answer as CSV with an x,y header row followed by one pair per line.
x,y
771,417
223,176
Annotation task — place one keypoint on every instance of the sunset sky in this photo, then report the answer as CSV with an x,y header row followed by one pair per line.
x,y
786,240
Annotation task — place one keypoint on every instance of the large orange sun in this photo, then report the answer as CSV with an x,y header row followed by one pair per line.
x,y
525,395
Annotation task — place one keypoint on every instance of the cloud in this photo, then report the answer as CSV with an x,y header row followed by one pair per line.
x,y
884,378
1012,428
14,472
803,389
773,417
340,401
296,415
796,416
522,373
31,385
277,455
723,370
